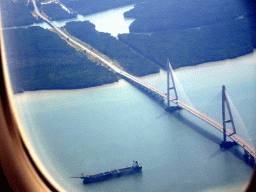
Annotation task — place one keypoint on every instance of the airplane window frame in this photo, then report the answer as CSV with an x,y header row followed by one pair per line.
x,y
20,165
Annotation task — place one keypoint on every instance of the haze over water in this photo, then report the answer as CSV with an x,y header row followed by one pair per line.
x,y
98,129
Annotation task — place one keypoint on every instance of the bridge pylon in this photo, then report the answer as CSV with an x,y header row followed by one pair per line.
x,y
225,104
173,87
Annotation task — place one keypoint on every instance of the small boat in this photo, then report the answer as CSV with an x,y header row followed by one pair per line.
x,y
135,168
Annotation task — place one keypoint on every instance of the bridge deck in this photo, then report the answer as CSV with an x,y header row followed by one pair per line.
x,y
250,149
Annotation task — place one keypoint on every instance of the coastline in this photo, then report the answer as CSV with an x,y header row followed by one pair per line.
x,y
38,94
122,82
220,62
236,188
42,95
63,21
196,66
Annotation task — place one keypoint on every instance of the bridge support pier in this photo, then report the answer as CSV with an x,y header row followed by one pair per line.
x,y
225,102
251,160
172,108
149,92
246,155
227,144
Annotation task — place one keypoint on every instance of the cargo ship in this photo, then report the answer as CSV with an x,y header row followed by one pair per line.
x,y
135,168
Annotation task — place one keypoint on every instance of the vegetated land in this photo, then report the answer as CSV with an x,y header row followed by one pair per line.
x,y
130,60
192,32
93,6
17,13
186,47
56,12
40,60
159,15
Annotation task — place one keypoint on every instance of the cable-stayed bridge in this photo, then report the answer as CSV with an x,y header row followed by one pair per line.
x,y
236,139
249,150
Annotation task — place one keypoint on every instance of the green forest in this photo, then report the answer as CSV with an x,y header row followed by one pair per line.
x,y
41,60
17,13
187,32
130,60
160,15
192,32
55,12
186,47
93,6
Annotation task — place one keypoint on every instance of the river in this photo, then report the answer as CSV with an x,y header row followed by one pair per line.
x,y
102,128
110,21
98,129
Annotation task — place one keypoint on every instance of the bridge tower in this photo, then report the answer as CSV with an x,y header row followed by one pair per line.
x,y
225,103
175,100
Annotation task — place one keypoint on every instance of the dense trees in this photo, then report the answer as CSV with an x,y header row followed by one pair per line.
x,y
155,15
130,60
94,6
55,12
38,59
192,32
17,13
187,32
187,47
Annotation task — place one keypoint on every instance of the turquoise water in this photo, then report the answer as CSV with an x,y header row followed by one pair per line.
x,y
98,129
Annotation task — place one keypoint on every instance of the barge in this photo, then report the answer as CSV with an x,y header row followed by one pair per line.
x,y
135,168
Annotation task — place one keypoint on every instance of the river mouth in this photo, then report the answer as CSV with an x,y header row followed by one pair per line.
x,y
111,21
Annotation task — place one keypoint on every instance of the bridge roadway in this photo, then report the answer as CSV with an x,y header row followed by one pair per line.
x,y
250,149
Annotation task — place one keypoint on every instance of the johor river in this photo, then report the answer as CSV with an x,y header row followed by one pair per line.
x,y
102,128
110,21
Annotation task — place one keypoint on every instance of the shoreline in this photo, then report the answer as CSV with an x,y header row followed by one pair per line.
x,y
220,62
41,95
40,23
122,82
235,188
57,92
197,66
